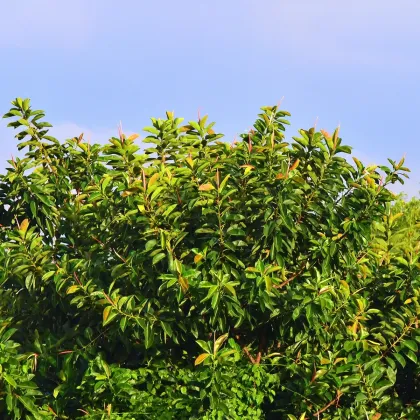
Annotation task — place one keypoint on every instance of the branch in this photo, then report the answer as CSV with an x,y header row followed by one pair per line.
x,y
246,351
334,401
302,268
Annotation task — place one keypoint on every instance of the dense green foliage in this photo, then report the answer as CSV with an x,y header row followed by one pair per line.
x,y
200,279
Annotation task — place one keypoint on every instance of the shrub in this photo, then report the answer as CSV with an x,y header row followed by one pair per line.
x,y
201,279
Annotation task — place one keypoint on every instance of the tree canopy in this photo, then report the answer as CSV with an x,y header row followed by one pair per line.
x,y
198,279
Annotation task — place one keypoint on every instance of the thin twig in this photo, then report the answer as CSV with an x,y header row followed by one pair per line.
x,y
302,268
332,402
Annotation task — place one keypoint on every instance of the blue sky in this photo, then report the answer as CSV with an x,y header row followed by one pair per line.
x,y
91,63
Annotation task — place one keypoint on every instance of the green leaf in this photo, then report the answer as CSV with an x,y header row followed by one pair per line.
x,y
151,130
30,406
33,208
156,193
22,121
223,183
57,390
392,375
148,336
158,257
235,260
10,380
123,323
150,244
352,380
48,275
105,182
204,345
400,359
195,125
167,328
410,344
9,402
411,355
230,289
7,335
360,397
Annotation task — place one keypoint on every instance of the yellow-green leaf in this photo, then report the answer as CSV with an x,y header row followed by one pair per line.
x,y
218,343
106,313
201,358
72,289
184,283
153,180
24,225
230,289
358,163
268,283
